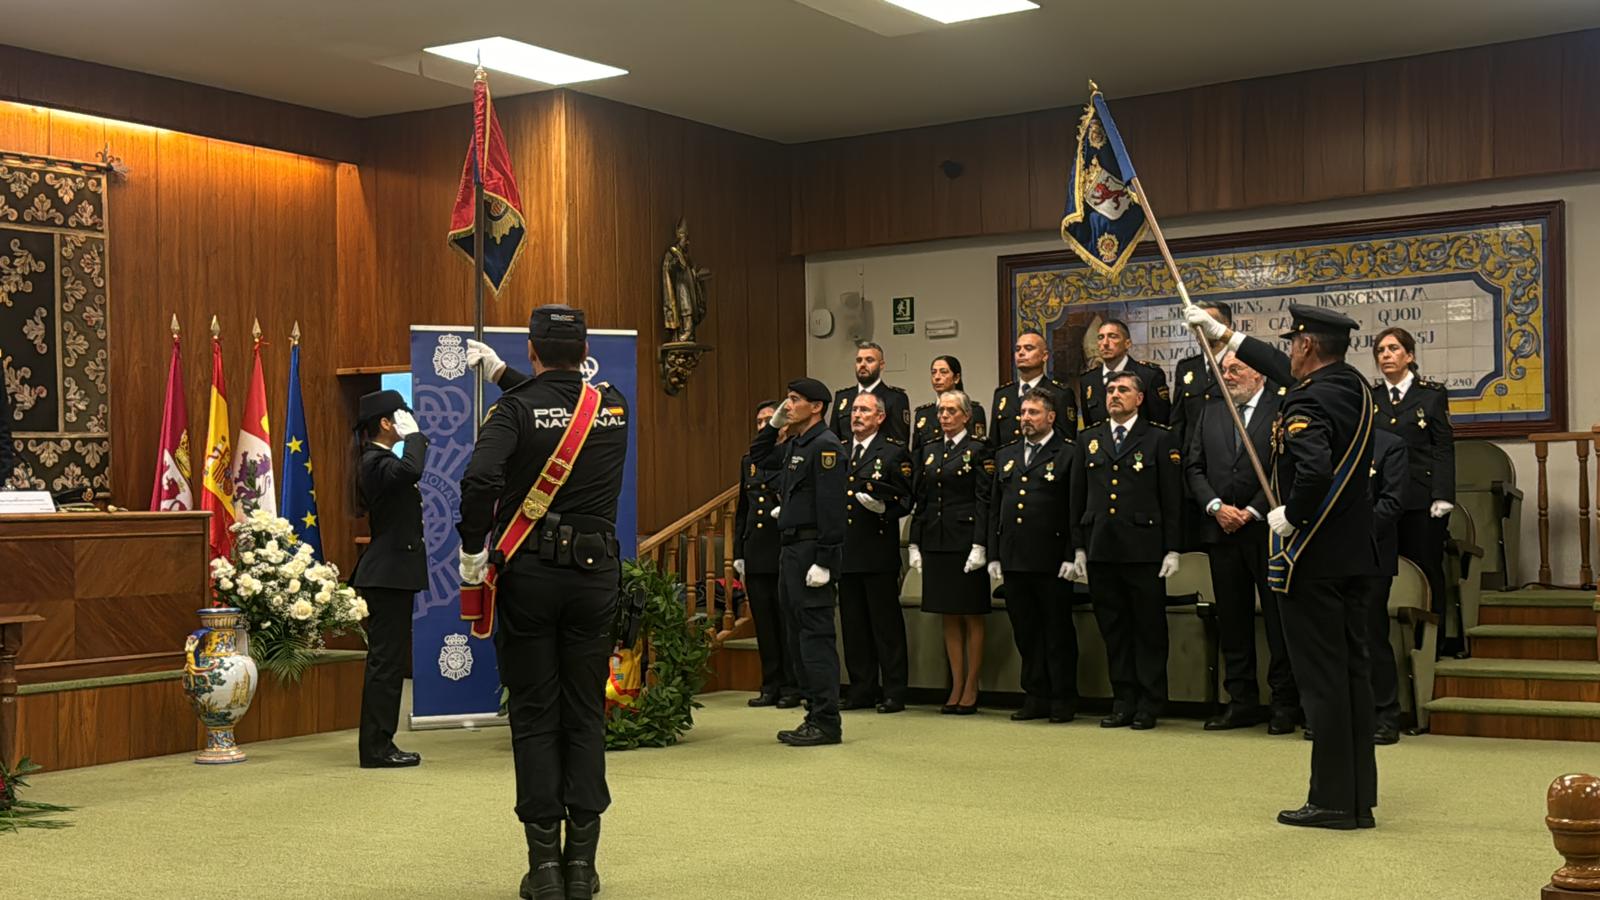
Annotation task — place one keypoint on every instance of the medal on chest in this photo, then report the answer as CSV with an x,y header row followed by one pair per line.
x,y
1094,446
1422,418
1050,470
1138,460
966,462
877,468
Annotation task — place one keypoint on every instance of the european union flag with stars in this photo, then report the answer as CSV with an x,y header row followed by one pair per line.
x,y
298,503
1103,222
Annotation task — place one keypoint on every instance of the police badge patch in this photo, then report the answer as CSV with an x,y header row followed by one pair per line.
x,y
449,357
752,470
830,458
455,657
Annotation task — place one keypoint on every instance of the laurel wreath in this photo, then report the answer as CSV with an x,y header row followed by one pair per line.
x,y
678,650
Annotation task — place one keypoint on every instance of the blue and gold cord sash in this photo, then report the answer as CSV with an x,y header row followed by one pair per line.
x,y
1282,553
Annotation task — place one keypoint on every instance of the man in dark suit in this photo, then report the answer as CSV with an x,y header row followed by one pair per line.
x,y
1133,473
1114,341
1032,358
877,495
1323,551
1388,501
755,558
811,528
1234,508
393,568
869,380
1193,386
1030,543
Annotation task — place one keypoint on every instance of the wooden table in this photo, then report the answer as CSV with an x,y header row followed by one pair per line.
x,y
10,646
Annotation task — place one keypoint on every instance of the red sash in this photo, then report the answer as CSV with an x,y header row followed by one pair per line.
x,y
477,600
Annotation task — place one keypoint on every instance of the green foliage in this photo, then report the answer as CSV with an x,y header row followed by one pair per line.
x,y
16,813
679,650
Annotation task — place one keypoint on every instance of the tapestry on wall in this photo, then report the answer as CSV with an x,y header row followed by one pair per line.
x,y
53,330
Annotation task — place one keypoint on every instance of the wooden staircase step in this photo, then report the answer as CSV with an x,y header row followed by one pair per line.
x,y
1518,679
1538,607
1568,642
1549,720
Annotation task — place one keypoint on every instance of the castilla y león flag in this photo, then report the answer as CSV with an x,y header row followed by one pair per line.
x,y
216,494
171,490
488,163
252,463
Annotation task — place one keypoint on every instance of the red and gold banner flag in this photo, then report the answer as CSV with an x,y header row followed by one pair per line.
x,y
216,494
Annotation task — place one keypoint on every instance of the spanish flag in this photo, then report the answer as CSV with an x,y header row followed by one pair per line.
x,y
216,494
489,164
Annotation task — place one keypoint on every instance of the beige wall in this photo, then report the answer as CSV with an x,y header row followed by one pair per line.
x,y
956,279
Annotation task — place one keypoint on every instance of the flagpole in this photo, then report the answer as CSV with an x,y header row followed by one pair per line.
x,y
477,257
1205,345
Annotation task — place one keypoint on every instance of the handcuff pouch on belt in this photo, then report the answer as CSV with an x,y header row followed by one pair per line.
x,y
477,600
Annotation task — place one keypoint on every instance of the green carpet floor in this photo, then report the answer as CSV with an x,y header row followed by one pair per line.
x,y
915,805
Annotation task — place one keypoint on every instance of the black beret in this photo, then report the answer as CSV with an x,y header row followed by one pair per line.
x,y
811,389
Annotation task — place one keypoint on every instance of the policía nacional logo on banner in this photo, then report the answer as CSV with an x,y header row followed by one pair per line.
x,y
455,657
590,368
450,357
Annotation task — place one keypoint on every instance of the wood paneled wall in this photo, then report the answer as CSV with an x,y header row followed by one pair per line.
x,y
203,227
1508,110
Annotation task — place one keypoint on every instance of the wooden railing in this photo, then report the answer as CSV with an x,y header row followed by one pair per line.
x,y
1583,442
689,549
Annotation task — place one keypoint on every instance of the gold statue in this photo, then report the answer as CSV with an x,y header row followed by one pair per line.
x,y
683,308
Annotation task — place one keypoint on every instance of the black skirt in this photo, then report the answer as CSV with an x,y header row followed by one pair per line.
x,y
948,590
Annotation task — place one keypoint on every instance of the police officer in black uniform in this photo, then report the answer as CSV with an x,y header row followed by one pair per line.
x,y
1031,540
1323,472
945,375
869,380
1032,358
811,524
755,558
557,595
1114,341
1133,472
877,495
1388,495
393,568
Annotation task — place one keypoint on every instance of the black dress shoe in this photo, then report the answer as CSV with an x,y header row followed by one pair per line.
x,y
809,735
1386,735
1308,735
949,709
1060,713
1029,712
1144,721
892,706
763,699
787,702
967,710
858,703
1364,819
1117,720
1235,716
1281,723
394,759
1313,816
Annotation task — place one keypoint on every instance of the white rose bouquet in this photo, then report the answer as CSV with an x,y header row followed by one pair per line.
x,y
291,601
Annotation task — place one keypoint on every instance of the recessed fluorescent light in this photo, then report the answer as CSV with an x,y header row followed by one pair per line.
x,y
948,11
526,61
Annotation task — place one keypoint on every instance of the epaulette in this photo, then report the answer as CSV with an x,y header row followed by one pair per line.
x,y
1431,384
893,440
1010,384
1147,364
1061,385
1377,382
1010,443
1091,370
927,406
898,390
1161,425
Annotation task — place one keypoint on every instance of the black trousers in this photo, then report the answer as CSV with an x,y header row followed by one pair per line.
x,y
1326,623
1039,605
388,654
808,616
777,667
1239,575
1385,674
554,644
874,636
1422,541
1130,605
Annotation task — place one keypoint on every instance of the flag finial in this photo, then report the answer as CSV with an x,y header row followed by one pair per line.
x,y
216,328
255,330
1093,88
294,334
174,324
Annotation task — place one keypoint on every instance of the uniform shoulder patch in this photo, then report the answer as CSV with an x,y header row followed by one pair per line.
x,y
905,469
1162,392
977,430
1296,424
1175,456
988,466
829,458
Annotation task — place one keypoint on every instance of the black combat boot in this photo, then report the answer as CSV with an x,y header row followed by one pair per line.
x,y
583,881
543,881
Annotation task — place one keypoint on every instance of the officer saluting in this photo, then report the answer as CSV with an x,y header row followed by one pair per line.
x,y
811,523
393,568
545,477
1322,551
755,558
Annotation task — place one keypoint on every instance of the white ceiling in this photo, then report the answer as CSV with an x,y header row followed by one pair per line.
x,y
780,69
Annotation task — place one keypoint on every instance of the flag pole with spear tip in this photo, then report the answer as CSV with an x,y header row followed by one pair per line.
x,y
1098,100
480,148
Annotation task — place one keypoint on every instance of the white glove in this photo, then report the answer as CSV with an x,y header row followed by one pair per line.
x,y
914,557
1199,318
1080,566
738,566
483,358
780,416
1169,566
404,424
775,511
817,576
994,571
1440,508
870,503
1068,572
1278,521
474,566
975,559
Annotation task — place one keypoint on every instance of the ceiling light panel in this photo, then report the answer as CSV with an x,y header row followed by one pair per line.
x,y
503,54
951,11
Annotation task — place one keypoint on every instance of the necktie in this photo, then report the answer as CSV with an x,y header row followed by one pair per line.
x,y
855,458
949,447
1244,416
1394,395
1027,453
1118,435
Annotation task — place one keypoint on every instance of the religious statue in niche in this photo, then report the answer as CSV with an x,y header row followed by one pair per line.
x,y
683,308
